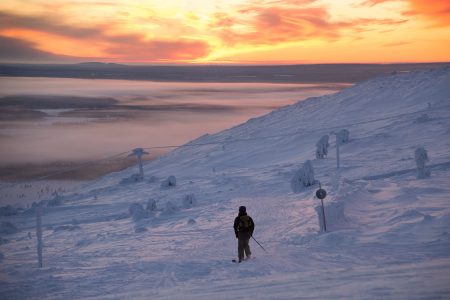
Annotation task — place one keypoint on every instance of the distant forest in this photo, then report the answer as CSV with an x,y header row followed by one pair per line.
x,y
314,73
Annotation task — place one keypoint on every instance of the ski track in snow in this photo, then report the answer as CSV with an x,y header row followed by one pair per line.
x,y
389,233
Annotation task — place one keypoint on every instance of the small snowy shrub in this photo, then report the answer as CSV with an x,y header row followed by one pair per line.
x,y
139,229
151,205
423,118
66,228
189,201
421,157
8,210
304,177
8,228
55,201
1,256
137,212
191,222
153,179
343,136
322,147
171,181
83,243
132,179
34,207
170,208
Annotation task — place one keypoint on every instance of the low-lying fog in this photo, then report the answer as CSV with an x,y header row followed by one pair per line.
x,y
46,119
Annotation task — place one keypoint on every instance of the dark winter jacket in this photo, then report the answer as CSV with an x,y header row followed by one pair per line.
x,y
241,231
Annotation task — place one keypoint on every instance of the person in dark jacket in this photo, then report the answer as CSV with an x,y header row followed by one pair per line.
x,y
243,228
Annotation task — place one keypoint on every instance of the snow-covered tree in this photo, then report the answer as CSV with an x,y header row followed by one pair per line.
x,y
421,157
8,210
8,228
171,181
343,136
304,177
137,212
322,147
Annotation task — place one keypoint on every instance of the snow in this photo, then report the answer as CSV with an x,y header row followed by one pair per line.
x,y
388,232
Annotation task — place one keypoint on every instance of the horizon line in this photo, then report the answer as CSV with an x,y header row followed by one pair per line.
x,y
219,64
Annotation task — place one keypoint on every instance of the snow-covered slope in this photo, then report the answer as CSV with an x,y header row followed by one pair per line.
x,y
388,232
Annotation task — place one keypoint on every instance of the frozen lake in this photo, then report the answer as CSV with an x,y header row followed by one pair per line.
x,y
47,120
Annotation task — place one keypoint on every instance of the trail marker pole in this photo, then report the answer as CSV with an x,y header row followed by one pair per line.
x,y
323,214
337,152
321,194
39,235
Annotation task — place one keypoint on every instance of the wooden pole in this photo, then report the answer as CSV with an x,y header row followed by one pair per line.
x,y
39,235
337,151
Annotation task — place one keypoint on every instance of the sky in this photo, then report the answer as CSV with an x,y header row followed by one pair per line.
x,y
225,31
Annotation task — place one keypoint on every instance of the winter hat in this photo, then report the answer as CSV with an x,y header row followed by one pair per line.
x,y
242,209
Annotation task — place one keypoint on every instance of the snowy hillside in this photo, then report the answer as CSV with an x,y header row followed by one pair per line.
x,y
388,232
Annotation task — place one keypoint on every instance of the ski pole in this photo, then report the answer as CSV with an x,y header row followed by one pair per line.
x,y
258,244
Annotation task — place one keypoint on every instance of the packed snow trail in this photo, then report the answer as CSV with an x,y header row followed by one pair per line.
x,y
388,231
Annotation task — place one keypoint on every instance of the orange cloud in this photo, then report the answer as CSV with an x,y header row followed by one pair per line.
x,y
158,50
53,43
436,11
46,24
52,35
15,50
268,25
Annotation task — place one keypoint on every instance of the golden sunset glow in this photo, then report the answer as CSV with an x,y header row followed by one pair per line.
x,y
225,31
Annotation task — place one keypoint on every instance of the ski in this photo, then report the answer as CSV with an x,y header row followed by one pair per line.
x,y
236,261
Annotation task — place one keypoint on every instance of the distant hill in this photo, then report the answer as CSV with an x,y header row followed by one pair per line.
x,y
98,64
214,73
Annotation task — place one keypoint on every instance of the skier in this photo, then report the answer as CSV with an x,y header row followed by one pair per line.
x,y
243,228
